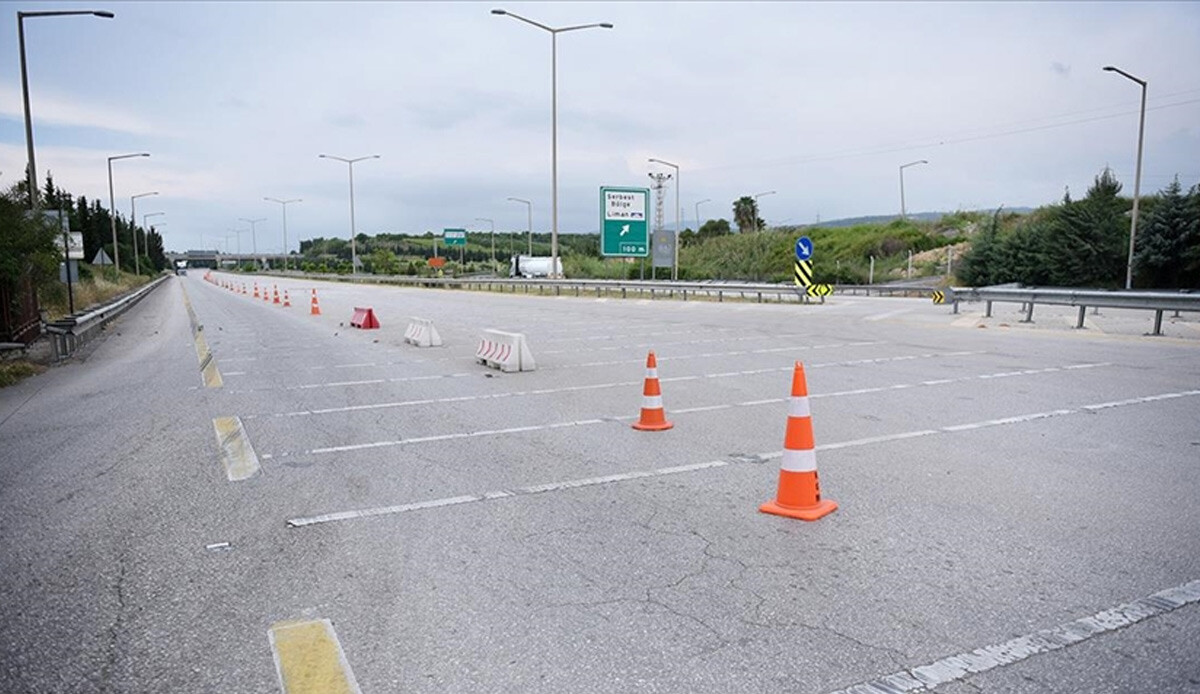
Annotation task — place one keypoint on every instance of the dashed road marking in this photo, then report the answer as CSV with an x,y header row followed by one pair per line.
x,y
309,658
959,667
237,454
678,469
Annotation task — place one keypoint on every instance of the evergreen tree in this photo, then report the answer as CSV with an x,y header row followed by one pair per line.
x,y
1161,242
981,266
1085,240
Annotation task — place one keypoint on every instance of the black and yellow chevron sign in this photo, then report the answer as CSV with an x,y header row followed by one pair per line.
x,y
819,290
939,297
802,273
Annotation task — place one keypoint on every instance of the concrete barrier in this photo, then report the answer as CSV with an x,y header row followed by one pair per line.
x,y
505,351
420,332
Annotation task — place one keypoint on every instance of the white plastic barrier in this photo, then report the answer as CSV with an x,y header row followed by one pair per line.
x,y
505,351
420,332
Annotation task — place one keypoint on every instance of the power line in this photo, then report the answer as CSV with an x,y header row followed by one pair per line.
x,y
938,142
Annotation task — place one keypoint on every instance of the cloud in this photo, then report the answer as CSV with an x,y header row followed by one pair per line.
x,y
57,109
1059,68
345,120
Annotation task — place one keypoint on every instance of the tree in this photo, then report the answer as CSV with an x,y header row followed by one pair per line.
x,y
27,243
384,262
745,214
1191,256
713,228
1085,239
981,265
1159,258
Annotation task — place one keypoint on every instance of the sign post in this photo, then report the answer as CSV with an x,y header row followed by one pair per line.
x,y
802,271
456,237
624,215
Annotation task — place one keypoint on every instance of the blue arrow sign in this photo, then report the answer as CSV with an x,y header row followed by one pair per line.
x,y
804,248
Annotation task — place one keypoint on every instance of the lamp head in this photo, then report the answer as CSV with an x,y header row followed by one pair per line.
x,y
605,25
103,13
1109,68
500,12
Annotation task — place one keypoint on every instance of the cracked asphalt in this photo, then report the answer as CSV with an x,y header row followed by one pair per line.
x,y
993,480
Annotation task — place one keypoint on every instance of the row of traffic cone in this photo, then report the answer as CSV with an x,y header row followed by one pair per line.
x,y
314,307
799,490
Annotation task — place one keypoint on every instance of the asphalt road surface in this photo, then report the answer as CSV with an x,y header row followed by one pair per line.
x,y
330,509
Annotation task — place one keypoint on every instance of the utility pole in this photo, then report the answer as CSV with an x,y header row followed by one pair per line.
x,y
660,188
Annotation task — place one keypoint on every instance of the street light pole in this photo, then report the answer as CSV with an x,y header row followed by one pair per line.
x,y
284,204
529,227
902,168
353,245
493,223
112,209
756,196
137,269
238,233
554,32
31,174
698,204
1137,179
253,237
678,222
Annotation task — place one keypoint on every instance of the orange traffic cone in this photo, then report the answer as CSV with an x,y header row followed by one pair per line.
x,y
799,494
287,303
276,294
316,308
256,290
653,418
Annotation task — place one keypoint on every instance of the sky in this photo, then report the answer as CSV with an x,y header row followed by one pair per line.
x,y
820,102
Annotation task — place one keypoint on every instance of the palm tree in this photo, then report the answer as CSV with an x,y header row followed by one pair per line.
x,y
745,214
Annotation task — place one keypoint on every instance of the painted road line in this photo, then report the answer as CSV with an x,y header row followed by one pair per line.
x,y
237,454
889,314
706,355
758,458
342,384
209,373
309,658
960,667
503,494
675,379
657,345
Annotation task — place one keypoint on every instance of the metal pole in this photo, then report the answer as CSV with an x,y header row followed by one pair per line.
x,y
112,218
678,228
353,241
137,269
1137,189
32,172
285,251
698,204
909,275
902,212
554,153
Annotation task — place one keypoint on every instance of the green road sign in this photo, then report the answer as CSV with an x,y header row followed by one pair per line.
x,y
623,220
454,237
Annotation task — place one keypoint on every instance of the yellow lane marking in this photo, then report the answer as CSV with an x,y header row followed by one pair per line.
x,y
309,658
208,364
237,455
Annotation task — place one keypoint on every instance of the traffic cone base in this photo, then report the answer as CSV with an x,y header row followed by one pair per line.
x,y
799,497
649,423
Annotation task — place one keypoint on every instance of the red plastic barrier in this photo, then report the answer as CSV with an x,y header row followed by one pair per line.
x,y
364,318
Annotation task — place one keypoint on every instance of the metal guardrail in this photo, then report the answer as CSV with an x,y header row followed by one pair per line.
x,y
1157,301
652,289
72,332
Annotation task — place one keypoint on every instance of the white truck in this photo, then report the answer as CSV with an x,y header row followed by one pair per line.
x,y
529,266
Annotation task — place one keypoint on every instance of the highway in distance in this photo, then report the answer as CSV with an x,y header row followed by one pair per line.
x,y
226,495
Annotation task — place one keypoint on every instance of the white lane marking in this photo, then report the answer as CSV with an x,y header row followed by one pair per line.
x,y
657,344
235,373
571,389
761,457
738,353
959,667
889,314
502,494
341,384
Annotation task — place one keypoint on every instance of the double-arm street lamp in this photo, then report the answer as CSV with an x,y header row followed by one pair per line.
x,y
493,223
678,222
137,269
32,173
1137,177
529,227
350,163
284,204
238,233
554,32
112,209
903,214
253,239
756,196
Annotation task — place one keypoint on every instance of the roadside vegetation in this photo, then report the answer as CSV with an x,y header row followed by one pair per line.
x,y
12,372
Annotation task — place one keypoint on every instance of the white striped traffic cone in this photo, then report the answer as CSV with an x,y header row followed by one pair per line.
x,y
799,494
